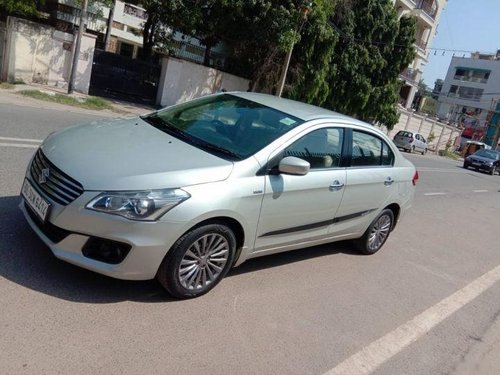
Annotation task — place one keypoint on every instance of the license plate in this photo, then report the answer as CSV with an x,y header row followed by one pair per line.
x,y
39,205
478,164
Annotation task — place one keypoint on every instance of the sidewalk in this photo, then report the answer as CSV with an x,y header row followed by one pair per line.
x,y
120,108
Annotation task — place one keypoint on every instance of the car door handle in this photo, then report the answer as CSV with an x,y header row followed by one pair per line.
x,y
388,181
336,185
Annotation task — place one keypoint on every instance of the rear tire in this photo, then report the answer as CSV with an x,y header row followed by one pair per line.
x,y
376,234
198,261
412,149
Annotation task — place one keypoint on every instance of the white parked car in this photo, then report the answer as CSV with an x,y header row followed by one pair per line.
x,y
186,193
410,141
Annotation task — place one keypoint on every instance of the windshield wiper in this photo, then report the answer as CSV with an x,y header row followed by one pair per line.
x,y
217,149
165,126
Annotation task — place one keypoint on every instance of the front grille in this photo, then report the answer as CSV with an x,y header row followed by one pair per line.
x,y
55,234
58,186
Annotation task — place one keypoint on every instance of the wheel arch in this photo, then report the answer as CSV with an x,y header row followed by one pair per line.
x,y
230,222
396,210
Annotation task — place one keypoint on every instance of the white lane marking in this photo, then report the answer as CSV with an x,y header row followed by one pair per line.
x,y
480,191
20,139
428,194
378,352
21,145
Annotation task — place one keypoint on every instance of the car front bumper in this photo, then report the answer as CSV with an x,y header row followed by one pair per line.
x,y
480,166
68,229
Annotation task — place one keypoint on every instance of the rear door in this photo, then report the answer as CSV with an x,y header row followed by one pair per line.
x,y
370,182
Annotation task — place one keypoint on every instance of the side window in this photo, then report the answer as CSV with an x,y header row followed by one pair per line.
x,y
370,150
322,148
387,155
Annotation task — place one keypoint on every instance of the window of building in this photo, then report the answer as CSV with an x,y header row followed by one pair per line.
x,y
471,93
118,25
126,49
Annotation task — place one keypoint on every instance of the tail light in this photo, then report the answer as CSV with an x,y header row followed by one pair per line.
x,y
415,178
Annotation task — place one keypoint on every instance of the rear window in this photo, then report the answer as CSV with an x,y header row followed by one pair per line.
x,y
405,134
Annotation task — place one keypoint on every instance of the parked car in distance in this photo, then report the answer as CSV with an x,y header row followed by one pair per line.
x,y
484,160
410,141
185,193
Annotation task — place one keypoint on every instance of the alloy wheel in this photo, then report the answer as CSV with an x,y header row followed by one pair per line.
x,y
204,261
380,232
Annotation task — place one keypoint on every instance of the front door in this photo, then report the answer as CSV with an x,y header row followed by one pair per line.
x,y
299,209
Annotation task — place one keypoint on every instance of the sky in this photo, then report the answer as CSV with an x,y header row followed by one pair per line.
x,y
471,25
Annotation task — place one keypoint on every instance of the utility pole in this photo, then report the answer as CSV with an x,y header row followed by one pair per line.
x,y
76,53
107,40
284,72
281,84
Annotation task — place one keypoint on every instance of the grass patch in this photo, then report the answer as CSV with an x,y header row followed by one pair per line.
x,y
6,85
91,102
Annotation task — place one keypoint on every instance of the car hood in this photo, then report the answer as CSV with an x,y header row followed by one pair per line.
x,y
130,154
480,158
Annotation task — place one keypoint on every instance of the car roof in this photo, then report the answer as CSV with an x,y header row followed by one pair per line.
x,y
303,111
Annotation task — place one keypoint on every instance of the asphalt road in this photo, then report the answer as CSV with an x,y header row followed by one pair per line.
x,y
426,304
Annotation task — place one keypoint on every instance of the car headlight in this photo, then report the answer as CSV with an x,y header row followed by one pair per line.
x,y
138,205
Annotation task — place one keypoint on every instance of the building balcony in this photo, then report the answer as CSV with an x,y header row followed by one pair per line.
x,y
406,4
422,44
425,12
428,7
410,75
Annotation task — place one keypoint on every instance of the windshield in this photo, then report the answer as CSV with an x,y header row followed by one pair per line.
x,y
490,154
225,125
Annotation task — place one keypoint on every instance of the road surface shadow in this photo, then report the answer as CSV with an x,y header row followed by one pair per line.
x,y
25,260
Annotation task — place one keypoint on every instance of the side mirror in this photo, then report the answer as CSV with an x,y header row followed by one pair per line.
x,y
294,166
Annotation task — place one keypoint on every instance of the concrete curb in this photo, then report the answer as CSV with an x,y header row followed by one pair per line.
x,y
121,108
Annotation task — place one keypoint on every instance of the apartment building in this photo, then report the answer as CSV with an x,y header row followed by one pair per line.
x,y
126,32
471,91
427,13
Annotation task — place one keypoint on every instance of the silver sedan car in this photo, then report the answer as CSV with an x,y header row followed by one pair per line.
x,y
185,193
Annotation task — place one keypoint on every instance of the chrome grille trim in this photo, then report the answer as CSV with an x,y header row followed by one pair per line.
x,y
59,187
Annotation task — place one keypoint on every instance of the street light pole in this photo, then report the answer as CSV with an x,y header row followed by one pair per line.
x,y
76,53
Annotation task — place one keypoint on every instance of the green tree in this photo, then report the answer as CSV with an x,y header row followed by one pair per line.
x,y
374,47
313,55
205,20
19,7
259,33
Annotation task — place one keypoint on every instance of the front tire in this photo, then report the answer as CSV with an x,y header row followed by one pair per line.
x,y
493,170
198,261
376,234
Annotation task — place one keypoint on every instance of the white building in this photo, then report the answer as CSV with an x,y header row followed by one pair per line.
x,y
126,31
471,87
427,13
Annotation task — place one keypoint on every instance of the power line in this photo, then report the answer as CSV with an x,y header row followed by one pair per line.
x,y
435,49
